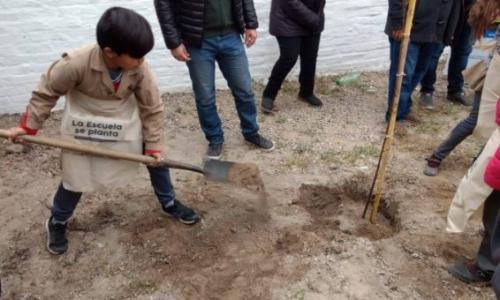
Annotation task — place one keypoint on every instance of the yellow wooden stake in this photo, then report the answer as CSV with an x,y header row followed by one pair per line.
x,y
378,181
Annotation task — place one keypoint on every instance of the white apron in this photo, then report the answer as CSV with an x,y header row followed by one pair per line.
x,y
486,122
112,124
472,190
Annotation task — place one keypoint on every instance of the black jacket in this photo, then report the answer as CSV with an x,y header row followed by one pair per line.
x,y
182,21
296,17
435,21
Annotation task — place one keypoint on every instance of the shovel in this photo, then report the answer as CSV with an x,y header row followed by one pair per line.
x,y
215,170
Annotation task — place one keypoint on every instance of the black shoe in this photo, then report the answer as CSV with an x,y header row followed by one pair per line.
x,y
260,141
426,100
181,212
56,237
312,100
214,151
470,273
432,167
267,105
459,97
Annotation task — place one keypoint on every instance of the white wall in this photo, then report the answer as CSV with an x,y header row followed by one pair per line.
x,y
35,33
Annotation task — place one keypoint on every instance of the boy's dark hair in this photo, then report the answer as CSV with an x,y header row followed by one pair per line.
x,y
125,31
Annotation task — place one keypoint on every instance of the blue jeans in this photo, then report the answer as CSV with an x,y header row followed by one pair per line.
x,y
461,131
417,62
65,201
460,51
228,51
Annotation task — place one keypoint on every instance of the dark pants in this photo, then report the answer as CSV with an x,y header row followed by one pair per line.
x,y
65,201
417,63
488,256
461,131
290,49
460,51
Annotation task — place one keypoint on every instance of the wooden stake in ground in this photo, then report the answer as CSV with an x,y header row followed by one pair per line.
x,y
378,181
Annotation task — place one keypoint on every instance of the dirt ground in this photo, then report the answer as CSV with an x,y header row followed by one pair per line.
x,y
300,238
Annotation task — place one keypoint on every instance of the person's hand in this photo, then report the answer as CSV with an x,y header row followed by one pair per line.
x,y
250,37
14,132
180,53
397,35
158,158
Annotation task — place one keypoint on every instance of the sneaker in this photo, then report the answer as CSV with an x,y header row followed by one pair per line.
x,y
56,237
432,167
267,105
260,141
459,97
181,212
312,100
214,151
426,100
470,273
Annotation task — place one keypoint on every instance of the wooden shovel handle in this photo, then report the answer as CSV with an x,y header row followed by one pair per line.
x,y
103,152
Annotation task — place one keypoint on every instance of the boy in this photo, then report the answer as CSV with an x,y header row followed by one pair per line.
x,y
112,101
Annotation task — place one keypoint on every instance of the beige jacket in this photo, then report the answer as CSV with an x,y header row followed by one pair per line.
x,y
84,69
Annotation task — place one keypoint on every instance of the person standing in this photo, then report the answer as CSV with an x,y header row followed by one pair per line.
x,y
434,24
202,32
297,25
460,51
481,184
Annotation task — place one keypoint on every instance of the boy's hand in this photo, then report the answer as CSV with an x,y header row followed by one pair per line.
x,y
180,53
14,132
397,35
250,37
158,157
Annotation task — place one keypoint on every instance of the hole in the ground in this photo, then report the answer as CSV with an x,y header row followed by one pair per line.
x,y
339,207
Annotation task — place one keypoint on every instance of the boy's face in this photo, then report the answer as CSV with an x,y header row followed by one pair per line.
x,y
123,61
127,62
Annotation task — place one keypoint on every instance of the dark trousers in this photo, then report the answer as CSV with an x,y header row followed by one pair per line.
x,y
290,49
488,256
65,201
460,51
461,131
417,63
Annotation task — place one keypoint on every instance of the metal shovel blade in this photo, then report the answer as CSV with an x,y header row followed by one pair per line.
x,y
238,173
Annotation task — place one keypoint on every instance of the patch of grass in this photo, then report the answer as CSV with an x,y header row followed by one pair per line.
x,y
452,109
302,148
331,156
325,85
281,119
297,160
299,295
140,287
290,87
429,127
257,85
351,156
